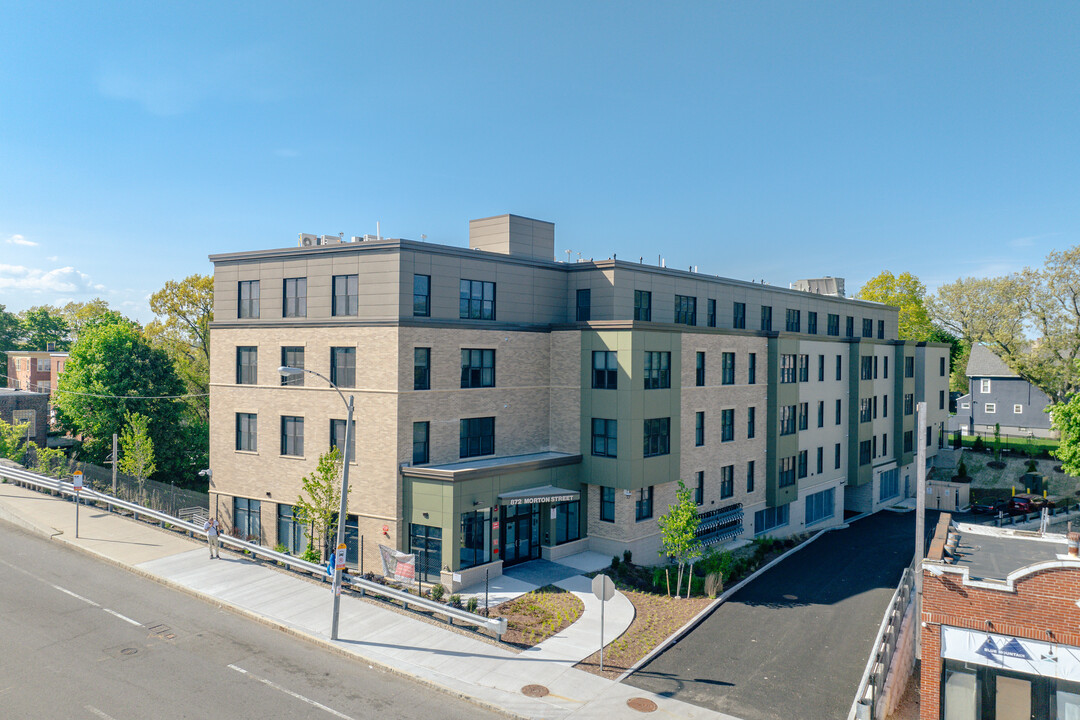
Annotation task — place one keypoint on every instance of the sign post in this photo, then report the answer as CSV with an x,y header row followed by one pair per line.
x,y
77,483
603,589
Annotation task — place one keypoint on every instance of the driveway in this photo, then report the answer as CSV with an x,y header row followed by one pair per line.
x,y
793,643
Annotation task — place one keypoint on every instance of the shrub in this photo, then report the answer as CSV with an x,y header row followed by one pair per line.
x,y
614,562
1032,466
714,584
455,600
978,445
961,469
626,556
281,549
310,555
471,604
437,591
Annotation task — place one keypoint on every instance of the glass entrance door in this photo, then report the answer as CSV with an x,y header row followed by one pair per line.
x,y
520,533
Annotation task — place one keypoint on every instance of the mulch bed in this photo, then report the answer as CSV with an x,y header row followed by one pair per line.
x,y
538,615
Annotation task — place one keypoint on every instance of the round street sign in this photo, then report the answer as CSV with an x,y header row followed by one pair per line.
x,y
603,588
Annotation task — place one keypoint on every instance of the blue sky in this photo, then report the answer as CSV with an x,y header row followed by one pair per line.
x,y
755,140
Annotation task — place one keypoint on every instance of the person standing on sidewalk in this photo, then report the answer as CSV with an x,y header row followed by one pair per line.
x,y
211,528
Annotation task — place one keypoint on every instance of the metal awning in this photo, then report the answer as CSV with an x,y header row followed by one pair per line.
x,y
544,493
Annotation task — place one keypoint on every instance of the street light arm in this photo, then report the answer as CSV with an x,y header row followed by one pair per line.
x,y
286,371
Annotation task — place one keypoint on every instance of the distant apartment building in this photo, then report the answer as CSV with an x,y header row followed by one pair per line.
x,y
511,407
997,396
34,371
22,406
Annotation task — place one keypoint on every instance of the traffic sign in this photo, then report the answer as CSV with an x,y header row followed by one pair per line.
x,y
603,588
77,480
340,561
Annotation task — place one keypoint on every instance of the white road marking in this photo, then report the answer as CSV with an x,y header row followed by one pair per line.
x,y
274,685
125,618
76,596
97,712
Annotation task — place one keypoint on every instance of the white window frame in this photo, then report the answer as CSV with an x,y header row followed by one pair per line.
x,y
1018,409
984,386
990,408
965,406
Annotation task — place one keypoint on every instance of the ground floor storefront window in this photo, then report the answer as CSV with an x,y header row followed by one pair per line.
x,y
247,519
425,541
567,525
475,548
290,533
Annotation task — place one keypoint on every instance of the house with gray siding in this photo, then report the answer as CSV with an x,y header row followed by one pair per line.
x,y
999,396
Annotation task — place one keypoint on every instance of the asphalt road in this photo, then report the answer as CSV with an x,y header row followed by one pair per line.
x,y
793,643
84,639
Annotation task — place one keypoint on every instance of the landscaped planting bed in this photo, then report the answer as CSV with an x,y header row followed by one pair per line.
x,y
538,615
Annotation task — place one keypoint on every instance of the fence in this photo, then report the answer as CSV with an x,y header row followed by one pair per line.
x,y
1021,444
165,497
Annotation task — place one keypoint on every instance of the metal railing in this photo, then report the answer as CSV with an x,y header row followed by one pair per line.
x,y
496,626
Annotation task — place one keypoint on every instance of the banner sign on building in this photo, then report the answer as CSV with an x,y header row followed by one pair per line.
x,y
1034,657
397,565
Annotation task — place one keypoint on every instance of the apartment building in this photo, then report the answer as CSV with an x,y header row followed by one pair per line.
x,y
34,371
511,407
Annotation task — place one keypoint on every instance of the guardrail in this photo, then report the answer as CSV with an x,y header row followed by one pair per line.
x,y
497,626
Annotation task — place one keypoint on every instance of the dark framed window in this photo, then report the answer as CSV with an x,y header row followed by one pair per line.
x,y
865,410
787,420
247,432
885,364
867,328
750,476
850,326
881,329
343,366
909,441
738,317
802,469
833,327
711,312
476,300
605,370
793,321
820,460
346,298
838,413
657,437
337,438
909,366
567,524
477,437
727,425
884,406
787,471
642,305
643,507
804,415
605,437
811,322
727,482
820,506
699,376
821,368
866,368
884,444
766,318
421,368
292,435
421,295
727,368
836,459
787,368
941,366
293,356
657,370
477,368
475,540
247,365
821,413
247,299
751,421
247,519
699,489
909,404
425,541
290,533
607,504
685,310
751,369
294,297
420,442
839,367
699,429
771,518
584,305
804,368
865,455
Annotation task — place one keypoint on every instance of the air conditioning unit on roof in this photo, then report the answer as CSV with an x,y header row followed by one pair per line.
x,y
308,240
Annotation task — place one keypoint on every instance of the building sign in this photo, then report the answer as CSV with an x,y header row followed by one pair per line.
x,y
1034,657
541,498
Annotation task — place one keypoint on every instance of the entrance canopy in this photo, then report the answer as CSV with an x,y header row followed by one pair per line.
x,y
544,493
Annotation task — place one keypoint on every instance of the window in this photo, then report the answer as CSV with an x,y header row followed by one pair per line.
x,y
984,386
864,453
839,367
865,410
246,432
811,323
804,415
821,413
294,296
804,368
567,525
605,438
787,471
990,408
751,413
293,357
965,406
884,406
909,370
248,305
584,305
834,325
476,300
292,435
867,328
477,437
875,406
787,368
711,312
657,437
343,366
605,375
337,439
941,400
686,310
420,442
727,368
1018,409
838,413
821,368
751,369
766,318
421,295
793,321
866,368
699,377
290,533
425,541
346,296
770,519
750,476
643,505
941,366
836,458
738,317
849,326
802,457
881,329
909,441
929,435
787,420
475,548
247,519
820,460
890,484
884,444
699,429
820,506
875,367
727,425
699,491
642,305
421,368
727,481
477,368
909,404
873,446
657,370
247,365
607,504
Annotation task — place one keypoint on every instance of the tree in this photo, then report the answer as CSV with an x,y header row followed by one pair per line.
x,y
678,530
959,351
81,315
10,333
319,509
184,311
1065,418
137,449
13,441
906,292
41,326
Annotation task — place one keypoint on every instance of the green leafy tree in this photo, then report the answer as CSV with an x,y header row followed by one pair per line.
x,y
959,351
10,333
137,449
906,292
52,462
319,502
41,326
13,441
80,315
1065,418
678,531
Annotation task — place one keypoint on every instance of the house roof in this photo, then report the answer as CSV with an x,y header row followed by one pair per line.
x,y
984,363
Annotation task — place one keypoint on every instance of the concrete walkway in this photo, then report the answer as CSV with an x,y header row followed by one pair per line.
x,y
439,657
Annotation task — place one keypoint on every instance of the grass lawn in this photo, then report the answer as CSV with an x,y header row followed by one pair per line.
x,y
1043,445
536,616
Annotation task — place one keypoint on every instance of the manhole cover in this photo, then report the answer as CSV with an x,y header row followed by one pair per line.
x,y
128,651
791,597
641,704
534,691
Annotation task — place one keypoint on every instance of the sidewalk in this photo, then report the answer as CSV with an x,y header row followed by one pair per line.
x,y
456,663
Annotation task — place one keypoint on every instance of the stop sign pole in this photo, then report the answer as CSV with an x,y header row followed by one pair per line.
x,y
76,482
603,589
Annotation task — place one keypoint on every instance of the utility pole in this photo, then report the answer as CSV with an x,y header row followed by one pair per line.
x,y
114,464
920,520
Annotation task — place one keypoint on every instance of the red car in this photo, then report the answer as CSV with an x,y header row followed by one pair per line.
x,y
1038,502
1019,505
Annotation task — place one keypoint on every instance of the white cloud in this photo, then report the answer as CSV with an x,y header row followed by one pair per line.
x,y
64,280
20,240
52,258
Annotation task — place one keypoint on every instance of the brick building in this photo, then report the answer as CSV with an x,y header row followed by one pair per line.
x,y
22,406
1001,626
35,371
